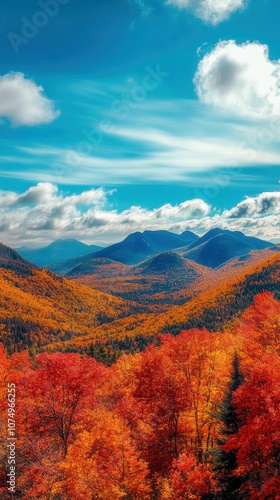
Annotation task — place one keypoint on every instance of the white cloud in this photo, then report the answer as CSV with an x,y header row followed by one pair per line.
x,y
23,102
137,218
210,11
240,79
42,193
43,213
253,207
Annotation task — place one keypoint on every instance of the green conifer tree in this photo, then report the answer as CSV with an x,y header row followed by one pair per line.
x,y
226,462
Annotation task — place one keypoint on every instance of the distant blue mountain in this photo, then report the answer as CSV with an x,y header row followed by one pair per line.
x,y
133,249
218,246
212,250
57,251
139,246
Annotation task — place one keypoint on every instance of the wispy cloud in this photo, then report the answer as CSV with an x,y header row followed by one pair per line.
x,y
158,141
166,151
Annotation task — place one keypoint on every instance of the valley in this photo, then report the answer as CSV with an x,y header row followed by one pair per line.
x,y
102,303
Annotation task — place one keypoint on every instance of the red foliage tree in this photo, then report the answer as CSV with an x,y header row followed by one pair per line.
x,y
258,440
190,479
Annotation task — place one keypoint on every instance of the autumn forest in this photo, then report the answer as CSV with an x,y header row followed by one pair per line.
x,y
195,418
122,398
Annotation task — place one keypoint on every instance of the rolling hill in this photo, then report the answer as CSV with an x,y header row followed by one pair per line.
x,y
37,307
172,277
57,251
41,310
215,308
152,282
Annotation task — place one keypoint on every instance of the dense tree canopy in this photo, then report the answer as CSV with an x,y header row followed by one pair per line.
x,y
177,421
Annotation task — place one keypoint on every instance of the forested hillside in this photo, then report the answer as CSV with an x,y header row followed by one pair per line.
x,y
38,307
215,309
195,418
164,280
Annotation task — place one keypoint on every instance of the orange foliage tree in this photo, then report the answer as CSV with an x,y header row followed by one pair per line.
x,y
147,426
103,462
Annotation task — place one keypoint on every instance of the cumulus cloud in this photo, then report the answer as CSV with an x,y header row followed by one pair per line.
x,y
210,11
240,79
43,192
137,218
265,203
43,213
187,209
23,102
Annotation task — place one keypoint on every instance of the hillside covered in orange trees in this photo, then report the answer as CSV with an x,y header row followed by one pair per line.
x,y
219,305
38,307
42,311
163,281
195,418
143,399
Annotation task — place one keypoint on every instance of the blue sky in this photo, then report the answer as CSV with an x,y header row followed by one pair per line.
x,y
119,115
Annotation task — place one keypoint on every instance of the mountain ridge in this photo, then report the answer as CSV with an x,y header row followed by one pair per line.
x,y
217,249
138,247
52,253
135,248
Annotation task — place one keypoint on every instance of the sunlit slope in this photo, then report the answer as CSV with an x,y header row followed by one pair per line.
x,y
212,309
37,307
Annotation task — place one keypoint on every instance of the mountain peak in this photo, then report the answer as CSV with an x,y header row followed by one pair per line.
x,y
7,253
11,260
139,246
163,263
57,251
218,246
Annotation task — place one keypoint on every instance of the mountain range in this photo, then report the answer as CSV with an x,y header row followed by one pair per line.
x,y
139,246
213,249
